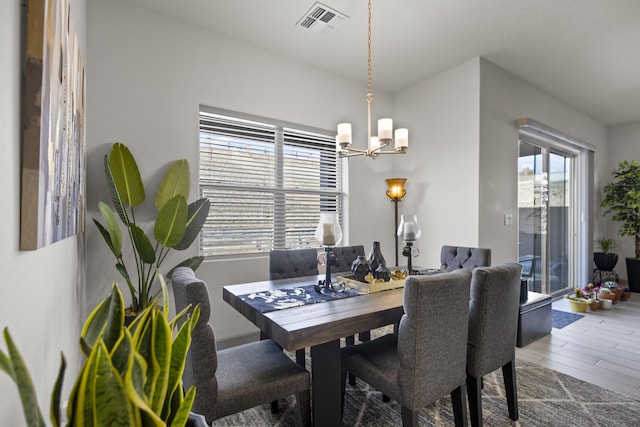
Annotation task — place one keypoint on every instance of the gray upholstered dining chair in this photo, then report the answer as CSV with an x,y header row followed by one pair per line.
x,y
345,255
238,378
427,357
286,263
493,322
454,257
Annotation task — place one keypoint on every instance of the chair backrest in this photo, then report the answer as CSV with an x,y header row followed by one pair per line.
x,y
454,257
493,317
432,336
202,361
287,263
346,255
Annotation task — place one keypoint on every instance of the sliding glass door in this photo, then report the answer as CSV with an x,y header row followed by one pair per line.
x,y
546,217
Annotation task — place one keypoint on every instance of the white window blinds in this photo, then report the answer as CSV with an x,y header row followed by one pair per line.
x,y
267,184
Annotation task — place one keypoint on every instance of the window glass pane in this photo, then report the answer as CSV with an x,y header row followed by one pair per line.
x,y
267,184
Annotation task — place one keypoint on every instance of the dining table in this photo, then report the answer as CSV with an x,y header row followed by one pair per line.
x,y
319,326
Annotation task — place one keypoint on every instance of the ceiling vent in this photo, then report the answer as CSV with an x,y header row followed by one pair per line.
x,y
321,19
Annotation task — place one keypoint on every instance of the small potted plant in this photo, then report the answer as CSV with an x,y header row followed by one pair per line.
x,y
176,226
605,260
622,200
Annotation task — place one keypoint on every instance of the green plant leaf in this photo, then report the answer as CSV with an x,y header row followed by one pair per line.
x,y
126,175
21,376
115,319
106,236
108,402
171,222
122,353
96,322
143,244
114,229
113,191
176,182
181,417
196,216
162,359
5,365
57,391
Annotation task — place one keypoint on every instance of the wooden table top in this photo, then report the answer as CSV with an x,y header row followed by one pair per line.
x,y
313,324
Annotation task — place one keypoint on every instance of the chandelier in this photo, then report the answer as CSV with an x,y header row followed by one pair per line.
x,y
375,144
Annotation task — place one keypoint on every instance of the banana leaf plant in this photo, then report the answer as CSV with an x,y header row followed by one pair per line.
x,y
131,375
176,225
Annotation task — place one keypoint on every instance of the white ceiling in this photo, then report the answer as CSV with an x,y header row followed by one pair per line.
x,y
584,52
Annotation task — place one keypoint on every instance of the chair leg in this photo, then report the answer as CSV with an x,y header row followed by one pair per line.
x,y
351,340
301,357
409,417
303,399
474,392
385,398
274,406
509,375
458,400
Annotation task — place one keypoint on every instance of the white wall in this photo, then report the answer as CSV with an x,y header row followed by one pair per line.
x,y
462,168
623,144
442,164
149,74
41,291
504,98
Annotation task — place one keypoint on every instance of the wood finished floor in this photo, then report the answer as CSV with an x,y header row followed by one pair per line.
x,y
602,348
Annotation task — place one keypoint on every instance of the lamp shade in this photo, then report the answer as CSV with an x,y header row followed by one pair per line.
x,y
396,189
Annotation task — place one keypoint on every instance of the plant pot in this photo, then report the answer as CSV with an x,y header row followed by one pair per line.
x,y
617,293
579,305
625,295
609,297
633,274
607,304
593,306
605,261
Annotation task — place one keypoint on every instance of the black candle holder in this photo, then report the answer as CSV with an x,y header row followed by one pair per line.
x,y
408,252
326,285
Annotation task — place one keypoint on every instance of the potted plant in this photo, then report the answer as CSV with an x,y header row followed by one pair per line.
x,y
605,260
132,376
622,200
176,224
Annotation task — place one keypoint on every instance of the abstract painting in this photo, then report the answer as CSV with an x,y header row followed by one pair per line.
x,y
53,124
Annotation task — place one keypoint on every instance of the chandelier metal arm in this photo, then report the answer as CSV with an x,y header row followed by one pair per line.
x,y
343,139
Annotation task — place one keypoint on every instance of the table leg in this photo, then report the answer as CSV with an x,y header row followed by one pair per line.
x,y
325,384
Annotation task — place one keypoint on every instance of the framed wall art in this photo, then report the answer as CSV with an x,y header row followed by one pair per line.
x,y
53,139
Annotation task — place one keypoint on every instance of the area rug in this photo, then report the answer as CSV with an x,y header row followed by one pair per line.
x,y
545,398
560,319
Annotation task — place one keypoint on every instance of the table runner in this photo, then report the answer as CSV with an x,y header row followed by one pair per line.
x,y
279,299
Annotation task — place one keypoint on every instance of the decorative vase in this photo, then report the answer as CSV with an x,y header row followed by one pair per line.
x,y
375,256
382,272
360,268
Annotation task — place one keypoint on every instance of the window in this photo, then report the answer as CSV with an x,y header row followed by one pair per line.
x,y
267,183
